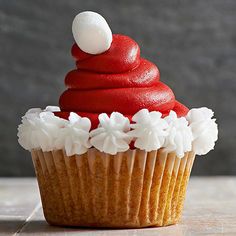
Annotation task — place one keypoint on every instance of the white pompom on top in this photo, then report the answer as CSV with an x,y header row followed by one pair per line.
x,y
91,32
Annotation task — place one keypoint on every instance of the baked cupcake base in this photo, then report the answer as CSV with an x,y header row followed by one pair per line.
x,y
132,189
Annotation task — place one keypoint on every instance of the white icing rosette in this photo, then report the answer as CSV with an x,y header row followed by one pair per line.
x,y
39,129
179,138
27,129
111,135
149,131
74,137
204,129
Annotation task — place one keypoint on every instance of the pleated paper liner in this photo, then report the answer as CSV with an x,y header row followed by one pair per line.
x,y
129,190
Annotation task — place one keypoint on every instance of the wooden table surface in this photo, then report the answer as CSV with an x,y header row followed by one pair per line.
x,y
210,209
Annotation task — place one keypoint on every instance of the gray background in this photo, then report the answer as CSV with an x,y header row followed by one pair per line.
x,y
192,42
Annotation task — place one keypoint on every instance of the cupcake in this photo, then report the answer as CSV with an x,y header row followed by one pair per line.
x,y
119,149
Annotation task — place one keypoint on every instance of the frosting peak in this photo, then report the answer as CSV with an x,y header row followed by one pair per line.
x,y
122,56
116,80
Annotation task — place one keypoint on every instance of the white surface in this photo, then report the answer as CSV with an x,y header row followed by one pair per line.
x,y
210,209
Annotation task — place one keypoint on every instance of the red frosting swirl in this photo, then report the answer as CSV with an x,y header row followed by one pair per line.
x,y
117,80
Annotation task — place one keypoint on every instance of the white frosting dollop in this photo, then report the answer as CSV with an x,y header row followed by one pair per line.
x,y
179,138
39,129
74,137
111,135
91,32
204,129
51,108
149,130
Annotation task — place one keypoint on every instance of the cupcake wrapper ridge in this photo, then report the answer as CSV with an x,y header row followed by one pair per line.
x,y
132,189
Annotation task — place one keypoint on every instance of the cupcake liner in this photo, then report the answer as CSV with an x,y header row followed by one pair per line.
x,y
129,190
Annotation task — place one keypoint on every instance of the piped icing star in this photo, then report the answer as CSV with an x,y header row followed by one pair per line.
x,y
149,130
111,135
74,137
204,129
179,138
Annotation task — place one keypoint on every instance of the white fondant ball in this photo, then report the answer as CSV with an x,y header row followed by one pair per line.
x,y
91,32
